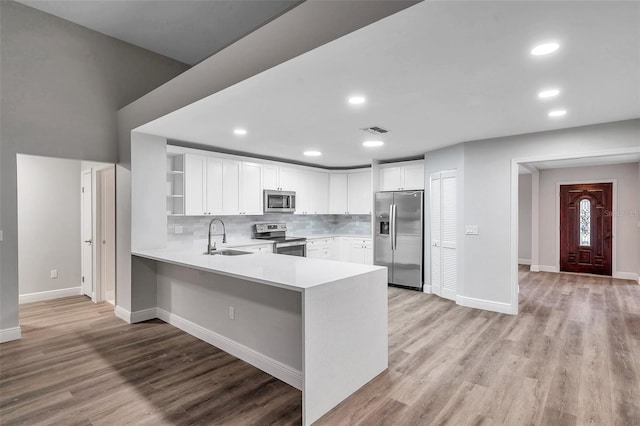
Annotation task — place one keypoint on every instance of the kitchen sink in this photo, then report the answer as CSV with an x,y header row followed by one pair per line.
x,y
228,252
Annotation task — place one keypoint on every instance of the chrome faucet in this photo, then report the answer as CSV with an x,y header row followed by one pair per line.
x,y
224,235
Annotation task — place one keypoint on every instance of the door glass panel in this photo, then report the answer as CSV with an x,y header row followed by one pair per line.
x,y
585,222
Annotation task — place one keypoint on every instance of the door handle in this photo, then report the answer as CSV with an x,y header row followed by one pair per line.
x,y
90,241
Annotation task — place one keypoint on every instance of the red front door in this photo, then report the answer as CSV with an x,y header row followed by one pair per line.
x,y
586,228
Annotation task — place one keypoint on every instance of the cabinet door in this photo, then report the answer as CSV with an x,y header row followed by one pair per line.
x,y
338,193
358,254
194,184
270,177
390,178
230,187
250,189
359,193
214,187
288,179
318,188
414,176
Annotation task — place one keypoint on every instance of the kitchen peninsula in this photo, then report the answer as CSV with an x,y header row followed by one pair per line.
x,y
318,325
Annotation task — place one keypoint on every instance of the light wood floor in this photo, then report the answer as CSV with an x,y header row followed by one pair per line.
x,y
572,356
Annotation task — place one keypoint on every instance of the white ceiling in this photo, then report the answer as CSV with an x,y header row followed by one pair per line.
x,y
435,74
186,30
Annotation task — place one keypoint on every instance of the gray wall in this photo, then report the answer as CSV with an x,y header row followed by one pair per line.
x,y
48,223
524,218
60,87
487,199
628,202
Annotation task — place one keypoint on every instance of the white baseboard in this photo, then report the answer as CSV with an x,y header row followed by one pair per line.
x,y
144,315
51,294
534,268
548,268
427,289
281,371
627,276
122,313
524,261
137,316
9,334
487,305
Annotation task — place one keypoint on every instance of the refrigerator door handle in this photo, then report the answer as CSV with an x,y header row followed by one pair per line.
x,y
392,218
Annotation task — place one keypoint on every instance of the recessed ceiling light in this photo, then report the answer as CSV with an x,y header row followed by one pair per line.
x,y
549,93
240,132
371,144
557,113
357,100
545,49
312,153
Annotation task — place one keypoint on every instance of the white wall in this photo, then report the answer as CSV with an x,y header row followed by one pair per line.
x,y
60,87
626,238
48,223
524,218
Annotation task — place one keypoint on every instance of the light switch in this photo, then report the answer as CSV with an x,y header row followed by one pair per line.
x,y
54,273
471,230
177,229
1,236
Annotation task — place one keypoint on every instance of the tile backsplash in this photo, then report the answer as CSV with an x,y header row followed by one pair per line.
x,y
196,227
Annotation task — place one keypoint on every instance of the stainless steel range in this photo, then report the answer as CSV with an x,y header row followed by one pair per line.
x,y
276,232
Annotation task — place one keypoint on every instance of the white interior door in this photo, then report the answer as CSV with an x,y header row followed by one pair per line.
x,y
87,233
444,234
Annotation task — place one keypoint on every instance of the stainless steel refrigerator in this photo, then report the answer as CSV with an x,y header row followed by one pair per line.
x,y
399,234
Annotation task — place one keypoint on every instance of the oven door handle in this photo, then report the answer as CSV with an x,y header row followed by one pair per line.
x,y
291,244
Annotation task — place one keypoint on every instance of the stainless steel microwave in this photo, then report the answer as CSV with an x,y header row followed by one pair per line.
x,y
279,201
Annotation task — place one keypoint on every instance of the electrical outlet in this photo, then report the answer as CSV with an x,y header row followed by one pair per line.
x,y
232,313
54,273
177,229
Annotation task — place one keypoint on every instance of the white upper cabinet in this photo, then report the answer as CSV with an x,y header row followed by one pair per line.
x,y
401,176
359,192
338,193
289,179
318,188
350,193
251,188
228,185
217,186
213,186
195,196
271,177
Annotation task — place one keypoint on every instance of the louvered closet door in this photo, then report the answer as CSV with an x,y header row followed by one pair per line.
x,y
436,239
443,234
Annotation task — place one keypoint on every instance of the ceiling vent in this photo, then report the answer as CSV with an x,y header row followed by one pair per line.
x,y
376,130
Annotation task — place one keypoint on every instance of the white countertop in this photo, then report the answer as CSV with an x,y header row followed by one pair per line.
x,y
291,272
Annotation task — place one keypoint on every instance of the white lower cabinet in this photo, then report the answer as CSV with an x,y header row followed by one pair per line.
x,y
353,249
362,251
319,248
258,248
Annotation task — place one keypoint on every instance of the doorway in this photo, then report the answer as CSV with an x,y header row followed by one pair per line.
x,y
586,229
58,245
